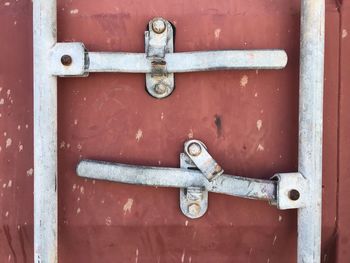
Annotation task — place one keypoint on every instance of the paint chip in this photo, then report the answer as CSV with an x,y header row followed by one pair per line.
x,y
274,240
2,101
217,33
108,221
30,172
260,148
139,135
259,124
344,33
128,205
8,142
190,134
78,210
74,11
244,81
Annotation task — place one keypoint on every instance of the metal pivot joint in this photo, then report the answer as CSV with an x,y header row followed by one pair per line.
x,y
199,174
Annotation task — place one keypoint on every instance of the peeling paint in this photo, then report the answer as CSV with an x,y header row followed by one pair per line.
x,y
259,124
74,11
217,33
128,205
108,221
260,148
344,33
139,135
8,142
244,81
190,134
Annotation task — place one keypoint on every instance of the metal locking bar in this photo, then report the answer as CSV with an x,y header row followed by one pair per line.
x,y
53,59
286,191
159,61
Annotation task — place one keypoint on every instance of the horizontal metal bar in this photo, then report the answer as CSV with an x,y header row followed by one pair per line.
x,y
179,178
188,61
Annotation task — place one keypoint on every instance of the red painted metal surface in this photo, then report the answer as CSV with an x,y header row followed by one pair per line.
x,y
111,117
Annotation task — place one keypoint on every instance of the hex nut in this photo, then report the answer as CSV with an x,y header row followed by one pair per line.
x,y
160,88
194,209
158,26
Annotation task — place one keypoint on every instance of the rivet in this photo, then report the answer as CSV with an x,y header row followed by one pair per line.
x,y
66,60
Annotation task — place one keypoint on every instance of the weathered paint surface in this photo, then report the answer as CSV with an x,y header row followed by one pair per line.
x,y
248,119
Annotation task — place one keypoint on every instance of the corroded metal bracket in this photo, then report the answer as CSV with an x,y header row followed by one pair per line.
x,y
159,40
193,199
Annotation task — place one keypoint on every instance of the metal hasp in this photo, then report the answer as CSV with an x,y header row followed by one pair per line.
x,y
159,40
52,59
159,62
286,191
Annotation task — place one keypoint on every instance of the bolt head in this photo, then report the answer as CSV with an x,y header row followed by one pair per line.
x,y
66,60
294,195
158,26
194,149
160,88
194,209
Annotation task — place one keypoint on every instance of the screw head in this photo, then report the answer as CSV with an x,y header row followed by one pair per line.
x,y
294,195
66,60
194,149
194,209
160,88
158,26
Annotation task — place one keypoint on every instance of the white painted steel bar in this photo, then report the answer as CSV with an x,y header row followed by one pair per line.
x,y
188,61
45,134
177,177
310,127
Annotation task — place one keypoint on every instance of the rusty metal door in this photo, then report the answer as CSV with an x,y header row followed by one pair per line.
x,y
248,119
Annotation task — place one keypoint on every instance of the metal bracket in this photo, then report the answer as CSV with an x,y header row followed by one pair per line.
x,y
159,40
68,59
193,199
197,152
292,190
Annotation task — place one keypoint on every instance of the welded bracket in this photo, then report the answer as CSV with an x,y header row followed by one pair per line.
x,y
292,190
159,40
193,199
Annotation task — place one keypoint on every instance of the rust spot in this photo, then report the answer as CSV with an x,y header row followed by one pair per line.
x,y
218,124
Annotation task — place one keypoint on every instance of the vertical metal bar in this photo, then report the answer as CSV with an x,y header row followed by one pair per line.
x,y
45,134
310,126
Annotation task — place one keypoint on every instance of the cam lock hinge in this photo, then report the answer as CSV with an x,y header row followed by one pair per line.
x,y
200,174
